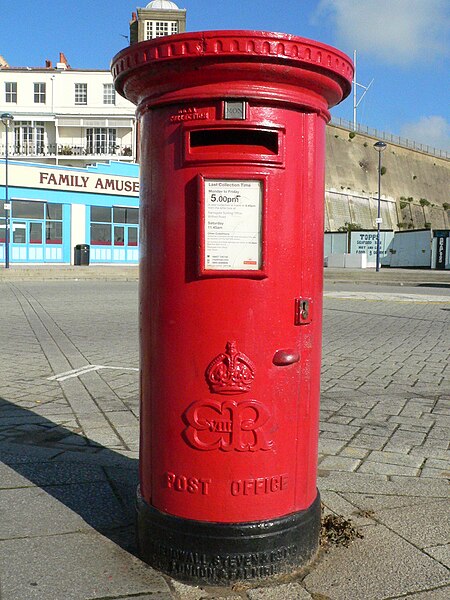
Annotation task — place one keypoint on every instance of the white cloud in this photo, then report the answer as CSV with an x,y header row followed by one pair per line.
x,y
400,32
433,130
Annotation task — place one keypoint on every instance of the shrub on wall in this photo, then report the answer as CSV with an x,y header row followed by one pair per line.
x,y
350,227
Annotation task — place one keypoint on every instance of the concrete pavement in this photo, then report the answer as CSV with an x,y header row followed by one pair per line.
x,y
69,441
396,277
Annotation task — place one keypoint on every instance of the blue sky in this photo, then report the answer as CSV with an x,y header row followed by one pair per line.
x,y
402,44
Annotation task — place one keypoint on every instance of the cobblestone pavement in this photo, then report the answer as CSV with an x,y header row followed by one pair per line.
x,y
69,440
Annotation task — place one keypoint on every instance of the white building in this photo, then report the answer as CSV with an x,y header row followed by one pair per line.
x,y
73,117
65,116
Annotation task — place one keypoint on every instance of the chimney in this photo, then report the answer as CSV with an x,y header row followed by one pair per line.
x,y
62,64
133,28
48,64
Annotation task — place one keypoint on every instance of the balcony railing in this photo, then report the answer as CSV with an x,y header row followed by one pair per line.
x,y
36,150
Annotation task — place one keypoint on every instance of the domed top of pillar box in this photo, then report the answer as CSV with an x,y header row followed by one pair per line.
x,y
271,67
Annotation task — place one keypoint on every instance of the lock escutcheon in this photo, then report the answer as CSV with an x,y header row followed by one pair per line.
x,y
302,311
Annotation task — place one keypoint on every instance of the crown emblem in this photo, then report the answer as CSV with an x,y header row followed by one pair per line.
x,y
231,372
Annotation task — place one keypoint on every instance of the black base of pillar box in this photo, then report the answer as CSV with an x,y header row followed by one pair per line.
x,y
223,553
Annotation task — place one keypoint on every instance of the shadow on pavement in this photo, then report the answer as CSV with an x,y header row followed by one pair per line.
x,y
93,481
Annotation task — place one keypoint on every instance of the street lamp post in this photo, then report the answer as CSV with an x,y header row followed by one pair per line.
x,y
379,147
6,118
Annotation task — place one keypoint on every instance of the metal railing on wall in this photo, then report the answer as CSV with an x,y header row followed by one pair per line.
x,y
389,137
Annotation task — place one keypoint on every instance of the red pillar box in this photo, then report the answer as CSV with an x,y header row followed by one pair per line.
x,y
232,151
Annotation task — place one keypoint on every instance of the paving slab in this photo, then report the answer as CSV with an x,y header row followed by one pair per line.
x,y
184,591
48,473
379,566
386,296
339,463
427,524
386,468
55,510
151,596
287,591
441,593
379,502
337,504
440,553
379,484
77,566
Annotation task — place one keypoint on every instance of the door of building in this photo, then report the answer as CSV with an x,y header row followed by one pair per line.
x,y
125,243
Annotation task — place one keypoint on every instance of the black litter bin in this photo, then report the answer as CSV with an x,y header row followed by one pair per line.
x,y
82,254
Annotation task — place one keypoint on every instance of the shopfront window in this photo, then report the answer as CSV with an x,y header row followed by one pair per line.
x,y
53,225
35,233
19,235
40,217
119,236
53,233
101,225
100,214
125,215
133,235
100,234
114,226
24,209
54,212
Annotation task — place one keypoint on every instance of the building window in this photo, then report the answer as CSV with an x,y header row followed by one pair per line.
x,y
53,225
28,137
109,93
133,236
2,222
26,209
125,215
114,226
81,93
149,30
161,28
154,29
101,140
11,91
39,93
35,217
35,233
101,225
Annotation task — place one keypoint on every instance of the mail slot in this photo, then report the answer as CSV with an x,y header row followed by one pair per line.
x,y
245,141
234,144
232,129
